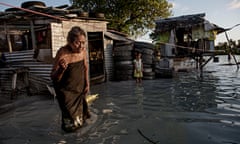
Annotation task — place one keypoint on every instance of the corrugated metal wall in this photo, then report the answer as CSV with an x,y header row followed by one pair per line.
x,y
39,72
108,60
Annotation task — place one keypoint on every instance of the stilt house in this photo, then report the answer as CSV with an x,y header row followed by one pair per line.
x,y
181,39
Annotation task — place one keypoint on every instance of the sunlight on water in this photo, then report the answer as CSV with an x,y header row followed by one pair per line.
x,y
187,98
185,109
233,123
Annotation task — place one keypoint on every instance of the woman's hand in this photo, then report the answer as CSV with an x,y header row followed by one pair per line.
x,y
57,73
63,64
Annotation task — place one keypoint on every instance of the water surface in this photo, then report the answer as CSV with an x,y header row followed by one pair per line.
x,y
186,109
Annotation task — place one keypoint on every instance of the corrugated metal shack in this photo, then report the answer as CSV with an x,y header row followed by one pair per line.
x,y
30,36
118,55
184,38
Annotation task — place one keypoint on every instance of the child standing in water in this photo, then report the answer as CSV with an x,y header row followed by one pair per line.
x,y
138,68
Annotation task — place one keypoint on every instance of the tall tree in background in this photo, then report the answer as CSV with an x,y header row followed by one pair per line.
x,y
134,17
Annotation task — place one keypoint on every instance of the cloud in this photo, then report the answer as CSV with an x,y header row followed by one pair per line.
x,y
235,4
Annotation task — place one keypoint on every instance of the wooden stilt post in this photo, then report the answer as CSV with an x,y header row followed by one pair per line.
x,y
201,66
14,84
33,36
197,60
8,37
231,52
26,81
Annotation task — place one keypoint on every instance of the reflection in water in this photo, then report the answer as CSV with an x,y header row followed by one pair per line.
x,y
184,110
210,101
227,93
139,90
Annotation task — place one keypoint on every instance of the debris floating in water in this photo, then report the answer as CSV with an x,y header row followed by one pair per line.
x,y
107,111
91,98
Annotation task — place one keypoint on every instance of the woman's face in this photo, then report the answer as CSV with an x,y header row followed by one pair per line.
x,y
79,44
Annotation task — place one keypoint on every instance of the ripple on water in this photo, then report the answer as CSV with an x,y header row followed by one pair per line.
x,y
185,109
186,102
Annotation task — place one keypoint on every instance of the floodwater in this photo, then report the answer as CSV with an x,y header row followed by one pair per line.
x,y
186,109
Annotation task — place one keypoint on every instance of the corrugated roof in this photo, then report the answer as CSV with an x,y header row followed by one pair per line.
x,y
116,37
186,21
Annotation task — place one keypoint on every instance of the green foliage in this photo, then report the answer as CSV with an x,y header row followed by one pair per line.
x,y
134,17
229,47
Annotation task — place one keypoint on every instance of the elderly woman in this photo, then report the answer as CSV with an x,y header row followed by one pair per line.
x,y
70,78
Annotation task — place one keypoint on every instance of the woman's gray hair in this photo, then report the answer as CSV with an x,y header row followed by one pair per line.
x,y
74,33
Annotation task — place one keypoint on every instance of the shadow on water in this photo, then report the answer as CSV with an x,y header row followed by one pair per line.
x,y
184,110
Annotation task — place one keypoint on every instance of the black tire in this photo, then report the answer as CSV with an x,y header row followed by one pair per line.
x,y
11,9
32,3
147,51
123,53
147,59
99,15
149,74
144,51
148,70
123,48
147,66
121,58
123,66
83,14
147,62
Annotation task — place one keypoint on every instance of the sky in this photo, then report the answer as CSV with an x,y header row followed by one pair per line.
x,y
224,13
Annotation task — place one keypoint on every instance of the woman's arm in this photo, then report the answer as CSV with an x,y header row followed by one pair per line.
x,y
59,67
86,73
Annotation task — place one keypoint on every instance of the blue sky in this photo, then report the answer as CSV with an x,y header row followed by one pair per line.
x,y
224,13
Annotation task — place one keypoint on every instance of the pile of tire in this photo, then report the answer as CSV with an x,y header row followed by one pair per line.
x,y
147,51
29,4
26,5
123,60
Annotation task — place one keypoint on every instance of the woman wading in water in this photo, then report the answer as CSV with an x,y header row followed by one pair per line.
x,y
70,78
